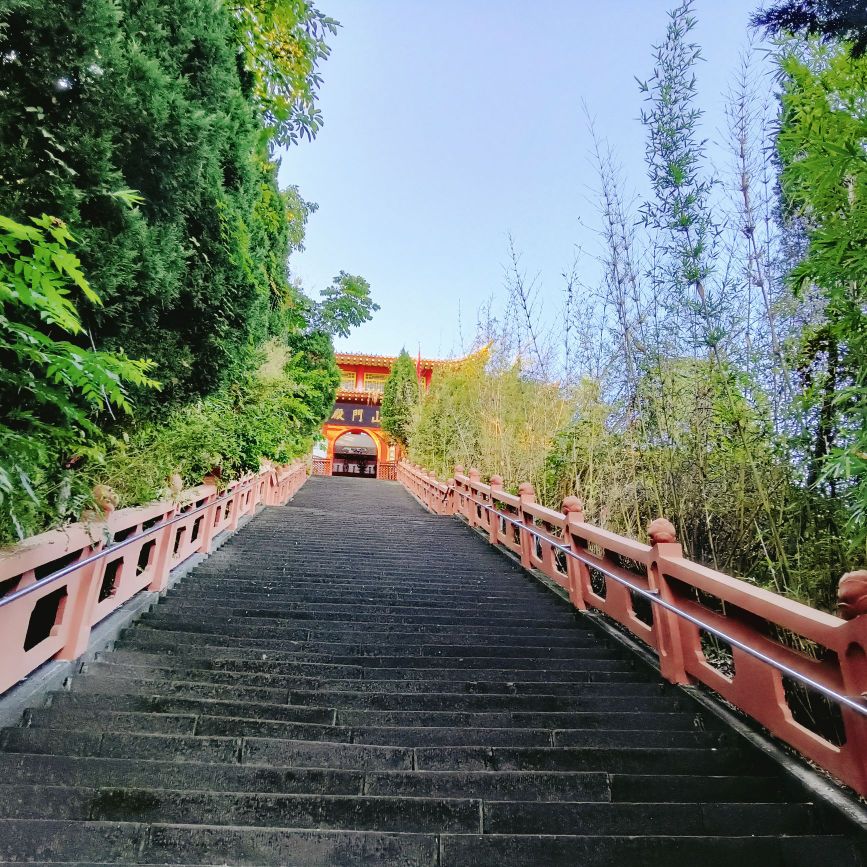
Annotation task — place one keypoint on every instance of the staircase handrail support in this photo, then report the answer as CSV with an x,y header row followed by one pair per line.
x,y
99,574
605,572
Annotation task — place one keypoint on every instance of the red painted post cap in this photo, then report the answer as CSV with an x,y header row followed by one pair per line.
x,y
574,505
852,594
661,531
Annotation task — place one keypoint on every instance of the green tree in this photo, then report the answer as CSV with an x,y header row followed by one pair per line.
x,y
52,392
137,125
679,212
400,398
833,20
283,43
345,305
824,182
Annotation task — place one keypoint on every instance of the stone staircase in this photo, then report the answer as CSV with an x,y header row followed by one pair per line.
x,y
352,681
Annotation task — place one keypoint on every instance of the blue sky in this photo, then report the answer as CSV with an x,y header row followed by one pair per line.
x,y
450,124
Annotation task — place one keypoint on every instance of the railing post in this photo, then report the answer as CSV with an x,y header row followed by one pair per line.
x,y
449,501
82,592
527,495
475,477
208,522
494,517
573,509
852,604
668,626
461,506
162,556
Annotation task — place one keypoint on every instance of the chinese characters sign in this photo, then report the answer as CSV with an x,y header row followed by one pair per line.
x,y
357,415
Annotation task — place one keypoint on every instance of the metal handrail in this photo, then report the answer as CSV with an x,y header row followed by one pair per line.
x,y
111,549
653,597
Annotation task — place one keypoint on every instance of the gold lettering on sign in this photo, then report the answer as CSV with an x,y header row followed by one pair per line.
x,y
375,419
338,415
358,415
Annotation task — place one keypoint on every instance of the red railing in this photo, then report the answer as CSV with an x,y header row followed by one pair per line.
x,y
387,470
56,586
321,467
774,658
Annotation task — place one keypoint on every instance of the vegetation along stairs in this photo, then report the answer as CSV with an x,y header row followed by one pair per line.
x,y
350,680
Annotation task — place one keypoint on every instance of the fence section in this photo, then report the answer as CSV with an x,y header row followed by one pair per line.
x,y
56,586
321,466
799,672
387,470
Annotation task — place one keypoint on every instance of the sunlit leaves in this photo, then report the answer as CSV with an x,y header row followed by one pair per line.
x,y
283,43
345,305
824,179
51,390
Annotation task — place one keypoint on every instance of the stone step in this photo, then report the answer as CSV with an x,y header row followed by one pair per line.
x,y
482,668
126,773
71,706
354,603
120,745
404,814
438,645
292,592
603,683
667,819
94,772
515,737
64,841
620,759
106,685
440,701
349,616
649,850
596,720
555,660
398,632
203,717
625,752
710,789
379,598
184,807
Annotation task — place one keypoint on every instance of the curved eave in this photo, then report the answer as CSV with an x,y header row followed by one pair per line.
x,y
352,396
370,360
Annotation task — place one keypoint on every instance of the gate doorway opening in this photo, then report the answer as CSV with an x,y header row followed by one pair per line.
x,y
354,455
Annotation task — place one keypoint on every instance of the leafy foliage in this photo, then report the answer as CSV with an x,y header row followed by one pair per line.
x,y
266,416
52,392
284,41
824,180
830,19
148,127
400,398
500,420
135,123
346,304
679,210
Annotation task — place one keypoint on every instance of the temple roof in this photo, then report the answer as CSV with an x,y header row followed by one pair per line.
x,y
372,360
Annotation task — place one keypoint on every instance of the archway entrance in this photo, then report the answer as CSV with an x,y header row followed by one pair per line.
x,y
355,454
